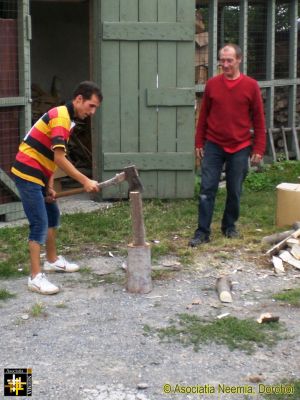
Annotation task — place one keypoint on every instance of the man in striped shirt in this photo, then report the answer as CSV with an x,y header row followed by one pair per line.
x,y
42,150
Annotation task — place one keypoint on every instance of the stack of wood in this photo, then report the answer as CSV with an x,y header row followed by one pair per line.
x,y
201,50
286,248
43,101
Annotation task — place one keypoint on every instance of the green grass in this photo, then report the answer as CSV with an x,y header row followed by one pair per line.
x,y
290,296
243,334
5,294
170,222
38,310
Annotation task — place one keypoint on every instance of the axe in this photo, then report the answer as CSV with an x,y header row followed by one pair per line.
x,y
129,174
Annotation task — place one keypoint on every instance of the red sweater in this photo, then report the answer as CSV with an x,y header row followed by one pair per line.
x,y
228,114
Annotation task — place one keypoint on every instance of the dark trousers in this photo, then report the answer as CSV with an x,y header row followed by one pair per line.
x,y
236,168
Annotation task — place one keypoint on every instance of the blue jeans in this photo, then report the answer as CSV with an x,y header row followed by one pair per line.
x,y
236,168
41,215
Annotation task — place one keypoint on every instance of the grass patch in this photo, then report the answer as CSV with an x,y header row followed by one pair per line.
x,y
293,385
290,296
190,330
169,225
62,304
38,310
5,294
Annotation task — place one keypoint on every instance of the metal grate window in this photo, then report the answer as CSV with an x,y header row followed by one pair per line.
x,y
11,81
257,40
9,74
269,35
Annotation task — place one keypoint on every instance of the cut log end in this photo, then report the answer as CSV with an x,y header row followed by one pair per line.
x,y
223,287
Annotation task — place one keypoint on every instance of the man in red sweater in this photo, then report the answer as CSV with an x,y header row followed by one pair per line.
x,y
231,106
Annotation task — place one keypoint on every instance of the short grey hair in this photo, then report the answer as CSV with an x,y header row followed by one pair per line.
x,y
237,49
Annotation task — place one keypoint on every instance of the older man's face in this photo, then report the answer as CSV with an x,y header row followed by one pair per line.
x,y
229,62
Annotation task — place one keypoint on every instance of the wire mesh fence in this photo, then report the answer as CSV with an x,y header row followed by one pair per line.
x,y
9,115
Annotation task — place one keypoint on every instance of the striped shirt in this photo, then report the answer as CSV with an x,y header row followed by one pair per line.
x,y
35,160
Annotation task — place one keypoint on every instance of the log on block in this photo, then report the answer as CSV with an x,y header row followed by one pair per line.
x,y
138,273
279,246
223,286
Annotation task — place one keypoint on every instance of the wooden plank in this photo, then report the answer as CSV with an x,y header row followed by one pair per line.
x,y
166,67
171,97
12,101
272,145
161,31
285,146
148,77
129,83
110,111
8,183
171,161
275,249
296,142
185,115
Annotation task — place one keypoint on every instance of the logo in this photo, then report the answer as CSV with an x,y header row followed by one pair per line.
x,y
17,382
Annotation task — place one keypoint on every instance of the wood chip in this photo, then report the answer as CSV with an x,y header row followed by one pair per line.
x,y
288,258
278,265
266,318
223,315
295,251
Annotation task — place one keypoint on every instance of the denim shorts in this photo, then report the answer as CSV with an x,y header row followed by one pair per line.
x,y
41,215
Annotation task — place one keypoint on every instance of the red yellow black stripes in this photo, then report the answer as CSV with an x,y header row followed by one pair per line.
x,y
35,159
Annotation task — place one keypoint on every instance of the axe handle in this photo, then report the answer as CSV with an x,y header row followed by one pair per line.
x,y
118,178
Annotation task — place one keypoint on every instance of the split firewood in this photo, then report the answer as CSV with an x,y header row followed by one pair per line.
x,y
224,286
278,265
295,251
292,241
266,318
288,258
279,246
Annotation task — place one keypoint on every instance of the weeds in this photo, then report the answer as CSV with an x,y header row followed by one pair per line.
x,y
231,331
290,296
5,294
38,310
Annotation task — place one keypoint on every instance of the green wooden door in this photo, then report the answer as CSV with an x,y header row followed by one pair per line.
x,y
145,68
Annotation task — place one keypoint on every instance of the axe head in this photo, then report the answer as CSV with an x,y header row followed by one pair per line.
x,y
132,177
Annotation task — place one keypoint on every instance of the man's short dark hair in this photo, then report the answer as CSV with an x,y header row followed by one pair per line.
x,y
237,49
87,89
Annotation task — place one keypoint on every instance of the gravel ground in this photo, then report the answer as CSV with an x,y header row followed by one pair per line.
x,y
89,340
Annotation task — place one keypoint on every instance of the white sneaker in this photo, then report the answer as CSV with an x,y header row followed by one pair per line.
x,y
41,285
60,265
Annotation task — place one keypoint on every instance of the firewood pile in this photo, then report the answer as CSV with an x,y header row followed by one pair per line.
x,y
201,50
285,249
42,101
